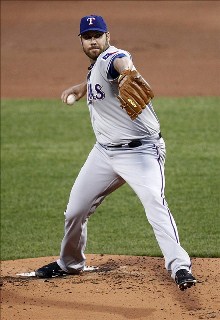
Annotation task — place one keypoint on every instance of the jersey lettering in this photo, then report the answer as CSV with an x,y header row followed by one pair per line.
x,y
100,94
90,94
97,94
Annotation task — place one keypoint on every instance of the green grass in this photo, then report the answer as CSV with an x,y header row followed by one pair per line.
x,y
43,146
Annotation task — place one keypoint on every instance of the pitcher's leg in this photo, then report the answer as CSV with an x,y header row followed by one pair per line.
x,y
162,221
148,182
95,181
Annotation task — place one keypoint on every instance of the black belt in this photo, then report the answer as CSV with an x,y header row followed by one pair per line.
x,y
132,144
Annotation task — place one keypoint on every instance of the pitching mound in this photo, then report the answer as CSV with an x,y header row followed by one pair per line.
x,y
123,287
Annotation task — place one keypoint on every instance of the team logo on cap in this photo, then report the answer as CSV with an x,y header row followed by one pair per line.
x,y
90,20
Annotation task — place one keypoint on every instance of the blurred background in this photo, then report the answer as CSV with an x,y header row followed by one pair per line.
x,y
174,44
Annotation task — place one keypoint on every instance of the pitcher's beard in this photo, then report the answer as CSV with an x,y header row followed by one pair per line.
x,y
92,53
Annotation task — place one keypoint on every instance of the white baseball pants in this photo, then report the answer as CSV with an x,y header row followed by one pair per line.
x,y
104,171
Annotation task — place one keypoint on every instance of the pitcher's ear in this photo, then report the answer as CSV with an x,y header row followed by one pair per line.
x,y
108,36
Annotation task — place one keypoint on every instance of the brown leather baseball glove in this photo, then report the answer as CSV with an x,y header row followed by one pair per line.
x,y
134,92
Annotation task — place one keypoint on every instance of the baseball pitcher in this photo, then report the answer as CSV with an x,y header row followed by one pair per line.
x,y
129,149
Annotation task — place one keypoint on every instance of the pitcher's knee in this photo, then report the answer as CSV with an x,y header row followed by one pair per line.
x,y
73,213
150,197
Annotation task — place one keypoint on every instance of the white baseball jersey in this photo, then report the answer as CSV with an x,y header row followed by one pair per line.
x,y
108,168
110,122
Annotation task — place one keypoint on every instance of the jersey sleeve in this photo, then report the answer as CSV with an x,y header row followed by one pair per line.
x,y
109,72
112,73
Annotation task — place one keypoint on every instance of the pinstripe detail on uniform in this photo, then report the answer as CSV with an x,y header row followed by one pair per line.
x,y
162,194
150,107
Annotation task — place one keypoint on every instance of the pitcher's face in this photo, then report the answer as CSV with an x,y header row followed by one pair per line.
x,y
94,43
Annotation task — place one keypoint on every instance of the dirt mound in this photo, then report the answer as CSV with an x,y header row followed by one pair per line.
x,y
123,287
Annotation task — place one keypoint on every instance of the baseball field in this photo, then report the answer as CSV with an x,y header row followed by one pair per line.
x,y
44,143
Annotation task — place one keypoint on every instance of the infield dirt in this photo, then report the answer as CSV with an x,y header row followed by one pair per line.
x,y
175,45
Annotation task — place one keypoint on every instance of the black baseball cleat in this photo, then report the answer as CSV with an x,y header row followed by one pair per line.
x,y
50,270
184,279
